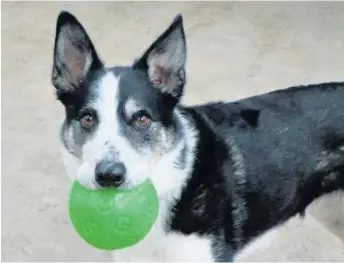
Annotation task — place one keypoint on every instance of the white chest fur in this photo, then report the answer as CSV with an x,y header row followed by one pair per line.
x,y
167,247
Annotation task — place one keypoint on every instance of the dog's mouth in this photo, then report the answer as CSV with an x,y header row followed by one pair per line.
x,y
125,187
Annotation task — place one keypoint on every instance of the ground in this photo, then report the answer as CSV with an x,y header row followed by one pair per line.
x,y
235,49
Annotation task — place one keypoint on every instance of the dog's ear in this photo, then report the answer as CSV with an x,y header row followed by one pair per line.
x,y
74,54
165,59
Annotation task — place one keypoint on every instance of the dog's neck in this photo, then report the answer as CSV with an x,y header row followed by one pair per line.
x,y
169,174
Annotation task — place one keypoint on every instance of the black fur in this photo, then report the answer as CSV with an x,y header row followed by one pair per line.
x,y
289,141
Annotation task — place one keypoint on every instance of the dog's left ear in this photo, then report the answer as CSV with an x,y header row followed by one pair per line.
x,y
165,60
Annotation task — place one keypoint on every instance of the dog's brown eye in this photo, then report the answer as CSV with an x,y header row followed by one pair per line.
x,y
142,121
87,121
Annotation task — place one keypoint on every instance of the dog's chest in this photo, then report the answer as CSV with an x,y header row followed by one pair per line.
x,y
166,247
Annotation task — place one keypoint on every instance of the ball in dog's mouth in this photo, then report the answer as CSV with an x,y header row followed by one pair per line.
x,y
112,219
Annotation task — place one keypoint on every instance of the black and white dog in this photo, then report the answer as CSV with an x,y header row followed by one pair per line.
x,y
226,173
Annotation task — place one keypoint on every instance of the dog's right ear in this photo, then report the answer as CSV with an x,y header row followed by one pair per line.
x,y
74,54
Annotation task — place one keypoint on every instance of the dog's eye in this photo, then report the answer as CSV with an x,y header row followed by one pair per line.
x,y
87,120
142,121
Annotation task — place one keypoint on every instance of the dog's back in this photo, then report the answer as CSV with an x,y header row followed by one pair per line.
x,y
292,128
288,145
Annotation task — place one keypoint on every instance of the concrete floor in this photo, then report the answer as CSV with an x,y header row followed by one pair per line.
x,y
236,49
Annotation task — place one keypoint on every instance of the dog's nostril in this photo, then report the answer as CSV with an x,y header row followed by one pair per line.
x,y
118,178
110,173
109,179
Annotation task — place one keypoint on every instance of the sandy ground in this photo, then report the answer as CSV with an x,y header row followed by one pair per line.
x,y
235,50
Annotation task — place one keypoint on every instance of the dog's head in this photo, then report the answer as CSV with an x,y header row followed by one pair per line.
x,y
120,122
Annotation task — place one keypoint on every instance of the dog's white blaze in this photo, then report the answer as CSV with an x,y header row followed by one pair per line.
x,y
108,141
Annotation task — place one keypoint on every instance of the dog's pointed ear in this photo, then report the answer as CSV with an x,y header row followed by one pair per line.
x,y
165,59
74,54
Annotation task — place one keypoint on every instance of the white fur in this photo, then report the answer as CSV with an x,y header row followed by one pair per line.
x,y
131,106
168,180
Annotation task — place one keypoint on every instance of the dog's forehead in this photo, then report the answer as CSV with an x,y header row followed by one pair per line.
x,y
130,87
122,89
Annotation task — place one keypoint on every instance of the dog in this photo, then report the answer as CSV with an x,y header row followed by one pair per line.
x,y
226,173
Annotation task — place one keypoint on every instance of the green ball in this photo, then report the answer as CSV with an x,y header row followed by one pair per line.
x,y
113,219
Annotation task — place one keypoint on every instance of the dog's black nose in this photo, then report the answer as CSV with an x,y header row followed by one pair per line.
x,y
109,173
